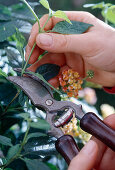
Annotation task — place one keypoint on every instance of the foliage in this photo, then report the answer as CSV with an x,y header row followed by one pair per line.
x,y
24,142
107,10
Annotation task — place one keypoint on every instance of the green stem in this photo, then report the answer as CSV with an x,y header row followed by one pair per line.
x,y
17,94
36,17
45,23
28,59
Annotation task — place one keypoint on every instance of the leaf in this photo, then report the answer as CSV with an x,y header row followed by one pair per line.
x,y
110,14
22,98
35,164
7,93
76,27
9,28
14,59
40,146
2,73
61,14
48,71
41,124
8,169
51,166
97,5
35,135
45,3
5,141
42,78
13,151
24,115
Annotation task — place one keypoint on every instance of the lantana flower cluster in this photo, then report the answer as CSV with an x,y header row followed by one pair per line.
x,y
71,82
74,130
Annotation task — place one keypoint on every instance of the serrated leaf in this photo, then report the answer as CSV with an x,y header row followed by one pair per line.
x,y
35,164
48,71
76,27
13,151
110,14
45,3
5,141
2,73
9,28
61,14
35,135
41,124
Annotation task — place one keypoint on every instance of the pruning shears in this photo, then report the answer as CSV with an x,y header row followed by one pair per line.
x,y
41,96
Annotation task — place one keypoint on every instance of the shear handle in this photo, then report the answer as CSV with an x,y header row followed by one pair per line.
x,y
95,126
67,147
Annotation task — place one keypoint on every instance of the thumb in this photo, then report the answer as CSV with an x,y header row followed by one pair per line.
x,y
85,160
59,43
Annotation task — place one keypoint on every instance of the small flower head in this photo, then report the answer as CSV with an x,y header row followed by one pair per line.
x,y
90,74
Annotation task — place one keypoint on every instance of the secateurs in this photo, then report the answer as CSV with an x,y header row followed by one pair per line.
x,y
41,96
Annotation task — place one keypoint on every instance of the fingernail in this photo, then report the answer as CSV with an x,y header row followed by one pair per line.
x,y
89,148
44,39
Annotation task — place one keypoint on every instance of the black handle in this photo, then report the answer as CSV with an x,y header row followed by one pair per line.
x,y
67,147
95,126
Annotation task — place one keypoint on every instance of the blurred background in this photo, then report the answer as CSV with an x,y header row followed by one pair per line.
x,y
92,97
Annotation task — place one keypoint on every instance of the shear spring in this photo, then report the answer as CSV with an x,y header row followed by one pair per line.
x,y
65,118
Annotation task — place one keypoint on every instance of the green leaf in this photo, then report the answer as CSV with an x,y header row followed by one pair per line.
x,y
45,3
24,115
110,14
41,124
35,135
42,78
48,71
8,169
76,27
5,141
41,146
13,151
51,166
20,43
9,28
2,73
35,164
97,5
61,14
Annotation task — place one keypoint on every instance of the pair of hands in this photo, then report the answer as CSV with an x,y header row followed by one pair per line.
x,y
93,50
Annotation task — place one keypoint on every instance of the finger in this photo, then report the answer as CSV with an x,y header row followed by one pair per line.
x,y
35,54
108,161
110,120
58,59
59,43
85,160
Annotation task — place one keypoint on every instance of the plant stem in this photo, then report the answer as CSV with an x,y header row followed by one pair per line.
x,y
28,59
36,17
18,153
11,102
46,23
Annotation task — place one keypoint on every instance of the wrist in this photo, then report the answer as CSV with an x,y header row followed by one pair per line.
x,y
110,90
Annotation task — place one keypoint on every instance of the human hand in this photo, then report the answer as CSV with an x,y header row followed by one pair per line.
x,y
93,50
95,154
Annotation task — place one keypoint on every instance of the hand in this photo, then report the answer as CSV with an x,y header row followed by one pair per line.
x,y
95,154
93,50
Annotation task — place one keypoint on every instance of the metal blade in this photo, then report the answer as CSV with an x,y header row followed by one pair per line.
x,y
38,94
